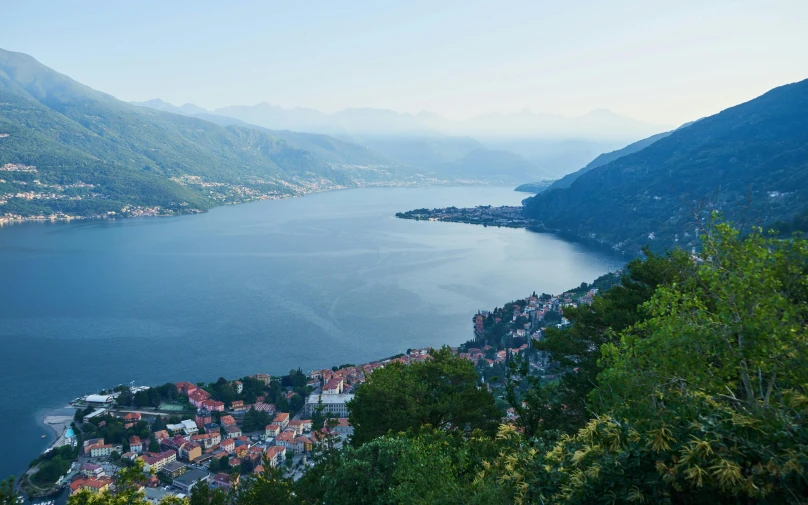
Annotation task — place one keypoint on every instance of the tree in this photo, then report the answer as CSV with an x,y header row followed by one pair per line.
x,y
7,494
271,486
736,328
128,490
255,420
205,495
159,424
422,466
564,406
441,392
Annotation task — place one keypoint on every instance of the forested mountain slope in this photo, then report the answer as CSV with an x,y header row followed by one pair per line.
x,y
77,151
749,162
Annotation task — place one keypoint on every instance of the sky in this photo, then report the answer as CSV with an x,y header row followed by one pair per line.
x,y
664,62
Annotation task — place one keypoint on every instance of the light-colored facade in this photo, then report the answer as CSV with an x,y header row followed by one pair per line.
x,y
334,404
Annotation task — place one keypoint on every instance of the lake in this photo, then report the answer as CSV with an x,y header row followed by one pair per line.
x,y
309,282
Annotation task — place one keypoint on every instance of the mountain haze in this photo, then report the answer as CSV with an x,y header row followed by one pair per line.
x,y
605,158
598,124
756,150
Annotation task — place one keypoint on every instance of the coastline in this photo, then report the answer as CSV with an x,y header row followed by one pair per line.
x,y
6,220
59,424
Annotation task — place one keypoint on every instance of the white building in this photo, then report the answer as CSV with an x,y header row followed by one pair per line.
x,y
336,405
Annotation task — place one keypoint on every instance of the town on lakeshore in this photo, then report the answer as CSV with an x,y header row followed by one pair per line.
x,y
185,434
508,215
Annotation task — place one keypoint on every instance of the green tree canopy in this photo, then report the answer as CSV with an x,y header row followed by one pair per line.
x,y
441,392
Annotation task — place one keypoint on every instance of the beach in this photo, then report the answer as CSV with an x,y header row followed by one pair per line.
x,y
59,422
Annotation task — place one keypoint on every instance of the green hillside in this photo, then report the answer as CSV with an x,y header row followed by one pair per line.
x,y
94,154
749,161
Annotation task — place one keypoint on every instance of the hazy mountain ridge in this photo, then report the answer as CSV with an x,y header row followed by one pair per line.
x,y
758,148
605,158
601,124
438,157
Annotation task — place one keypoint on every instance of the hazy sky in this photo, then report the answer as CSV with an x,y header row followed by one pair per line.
x,y
660,61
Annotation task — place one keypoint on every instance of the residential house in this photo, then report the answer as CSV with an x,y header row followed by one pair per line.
x,y
272,430
207,441
185,449
173,470
213,405
135,445
197,397
223,481
185,388
265,378
96,448
227,420
202,417
232,431
282,419
228,444
343,427
89,470
276,455
156,461
92,484
289,440
295,427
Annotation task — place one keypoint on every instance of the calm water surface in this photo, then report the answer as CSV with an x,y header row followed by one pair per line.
x,y
312,282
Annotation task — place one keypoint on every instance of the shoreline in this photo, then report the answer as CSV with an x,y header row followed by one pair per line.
x,y
6,221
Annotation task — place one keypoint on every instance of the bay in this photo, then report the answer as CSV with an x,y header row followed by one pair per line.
x,y
309,282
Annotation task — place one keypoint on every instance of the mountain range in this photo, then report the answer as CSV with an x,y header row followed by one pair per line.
x,y
749,162
601,124
70,150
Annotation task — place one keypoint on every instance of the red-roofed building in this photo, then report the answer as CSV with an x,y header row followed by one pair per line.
x,y
223,481
282,419
93,485
227,420
156,462
334,386
228,444
276,455
207,441
213,405
135,445
197,397
289,440
273,430
185,388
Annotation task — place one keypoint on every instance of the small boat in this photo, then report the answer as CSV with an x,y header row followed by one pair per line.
x,y
43,436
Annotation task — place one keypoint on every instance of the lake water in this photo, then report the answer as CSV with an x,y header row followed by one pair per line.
x,y
317,281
